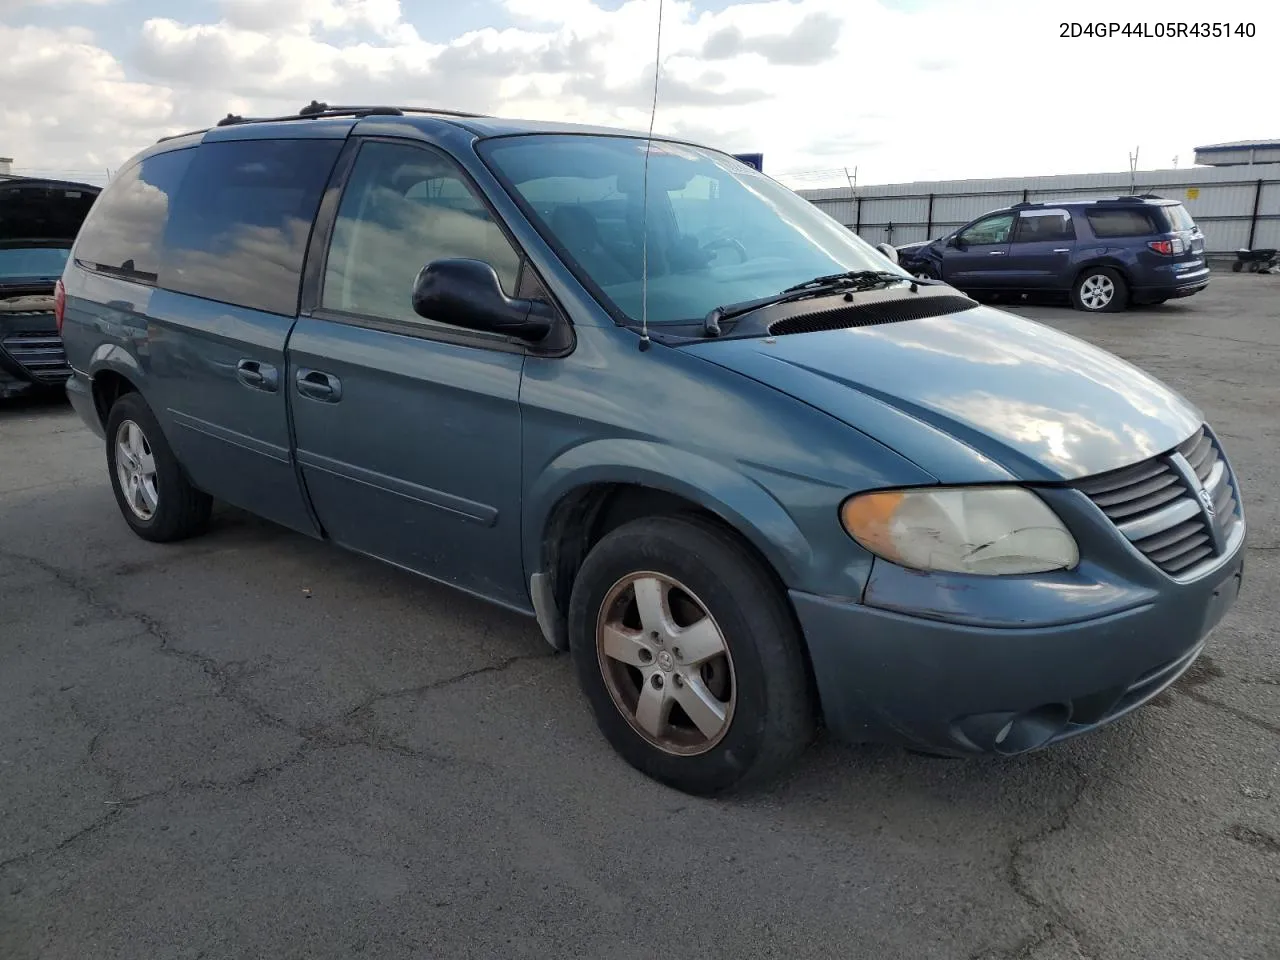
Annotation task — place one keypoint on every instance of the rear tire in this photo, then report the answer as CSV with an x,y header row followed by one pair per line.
x,y
1100,290
693,580
154,495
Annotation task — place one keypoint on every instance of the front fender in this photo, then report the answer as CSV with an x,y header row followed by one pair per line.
x,y
738,499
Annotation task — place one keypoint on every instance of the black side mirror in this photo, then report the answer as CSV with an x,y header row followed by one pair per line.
x,y
467,293
958,242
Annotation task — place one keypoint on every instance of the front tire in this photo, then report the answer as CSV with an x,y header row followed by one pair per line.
x,y
1100,290
689,656
154,495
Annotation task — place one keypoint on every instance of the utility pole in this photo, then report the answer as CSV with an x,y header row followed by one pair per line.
x,y
853,180
1133,168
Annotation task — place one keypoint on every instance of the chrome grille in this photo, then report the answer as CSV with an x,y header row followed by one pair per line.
x,y
40,353
1162,505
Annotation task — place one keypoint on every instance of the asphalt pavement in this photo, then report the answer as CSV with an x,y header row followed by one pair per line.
x,y
256,745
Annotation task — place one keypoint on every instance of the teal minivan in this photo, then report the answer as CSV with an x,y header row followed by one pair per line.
x,y
750,472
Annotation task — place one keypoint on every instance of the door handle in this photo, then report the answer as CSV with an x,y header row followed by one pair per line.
x,y
259,376
1061,249
996,253
318,385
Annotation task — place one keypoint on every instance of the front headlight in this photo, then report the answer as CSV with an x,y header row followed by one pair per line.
x,y
980,530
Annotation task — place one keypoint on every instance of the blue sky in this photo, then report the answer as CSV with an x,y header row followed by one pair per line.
x,y
899,89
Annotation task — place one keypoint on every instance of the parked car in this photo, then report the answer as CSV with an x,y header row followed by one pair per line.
x,y
1104,254
38,222
745,468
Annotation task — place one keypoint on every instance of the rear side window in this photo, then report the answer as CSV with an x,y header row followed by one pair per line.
x,y
1121,223
1040,225
122,235
1178,217
240,223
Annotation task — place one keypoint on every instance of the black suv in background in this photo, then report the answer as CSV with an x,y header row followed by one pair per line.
x,y
1105,254
39,219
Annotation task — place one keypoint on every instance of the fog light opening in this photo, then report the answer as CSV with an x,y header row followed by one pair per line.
x,y
1032,728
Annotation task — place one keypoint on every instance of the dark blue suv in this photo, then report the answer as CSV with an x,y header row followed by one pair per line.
x,y
1105,254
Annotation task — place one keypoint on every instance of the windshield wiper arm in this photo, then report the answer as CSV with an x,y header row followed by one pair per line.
x,y
850,278
833,283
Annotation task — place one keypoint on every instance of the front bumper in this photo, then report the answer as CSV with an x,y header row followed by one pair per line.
x,y
960,689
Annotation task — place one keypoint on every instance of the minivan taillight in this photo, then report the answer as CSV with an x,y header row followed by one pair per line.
x,y
1168,248
59,304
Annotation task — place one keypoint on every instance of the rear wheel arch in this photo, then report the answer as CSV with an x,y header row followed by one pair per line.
x,y
108,387
1110,264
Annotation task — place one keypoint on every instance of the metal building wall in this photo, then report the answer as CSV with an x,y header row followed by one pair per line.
x,y
1234,206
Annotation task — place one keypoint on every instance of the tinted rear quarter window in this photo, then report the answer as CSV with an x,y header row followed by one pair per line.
x,y
240,224
123,232
1177,216
1125,222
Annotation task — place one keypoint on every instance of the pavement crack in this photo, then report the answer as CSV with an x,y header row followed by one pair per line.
x,y
65,842
1242,715
1055,923
1254,838
505,663
358,717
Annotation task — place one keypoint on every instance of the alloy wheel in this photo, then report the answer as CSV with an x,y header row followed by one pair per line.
x,y
136,470
665,663
1097,291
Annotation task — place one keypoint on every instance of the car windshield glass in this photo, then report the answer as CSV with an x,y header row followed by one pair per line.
x,y
717,230
34,262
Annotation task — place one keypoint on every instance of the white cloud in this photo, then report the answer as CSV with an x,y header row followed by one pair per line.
x,y
959,88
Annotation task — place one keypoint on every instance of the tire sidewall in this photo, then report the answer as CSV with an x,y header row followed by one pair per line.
x,y
733,600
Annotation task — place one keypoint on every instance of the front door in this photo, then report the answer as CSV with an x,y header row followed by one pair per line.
x,y
1040,254
408,430
975,258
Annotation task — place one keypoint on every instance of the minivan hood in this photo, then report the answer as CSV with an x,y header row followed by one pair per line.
x,y
975,396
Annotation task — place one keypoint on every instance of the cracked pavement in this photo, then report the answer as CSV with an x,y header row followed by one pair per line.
x,y
256,745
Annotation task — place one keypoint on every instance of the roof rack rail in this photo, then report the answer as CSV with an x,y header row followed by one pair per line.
x,y
318,110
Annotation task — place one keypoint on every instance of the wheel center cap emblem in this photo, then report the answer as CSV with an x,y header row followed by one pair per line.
x,y
666,661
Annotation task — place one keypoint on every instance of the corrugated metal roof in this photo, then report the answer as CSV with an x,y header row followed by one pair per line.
x,y
1144,181
1242,145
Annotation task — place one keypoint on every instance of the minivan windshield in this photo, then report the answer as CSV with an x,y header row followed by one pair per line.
x,y
718,231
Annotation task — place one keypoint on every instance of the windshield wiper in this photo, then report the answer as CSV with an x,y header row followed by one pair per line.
x,y
851,278
832,283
